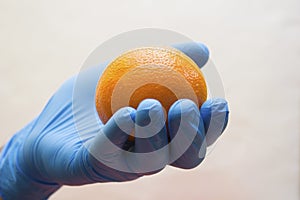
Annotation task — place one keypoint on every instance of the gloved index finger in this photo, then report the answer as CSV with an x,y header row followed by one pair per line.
x,y
150,130
150,137
108,143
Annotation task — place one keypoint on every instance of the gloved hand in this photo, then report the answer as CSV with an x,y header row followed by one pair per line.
x,y
63,147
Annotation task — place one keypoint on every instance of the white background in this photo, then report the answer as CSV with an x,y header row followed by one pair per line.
x,y
254,43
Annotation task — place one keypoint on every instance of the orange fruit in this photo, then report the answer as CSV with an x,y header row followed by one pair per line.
x,y
164,74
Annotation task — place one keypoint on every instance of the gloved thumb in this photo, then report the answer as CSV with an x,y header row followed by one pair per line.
x,y
197,51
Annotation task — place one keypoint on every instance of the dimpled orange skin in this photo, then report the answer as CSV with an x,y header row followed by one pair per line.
x,y
166,61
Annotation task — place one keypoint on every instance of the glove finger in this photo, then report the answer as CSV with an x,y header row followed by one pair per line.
x,y
198,52
215,114
108,144
186,131
151,135
150,129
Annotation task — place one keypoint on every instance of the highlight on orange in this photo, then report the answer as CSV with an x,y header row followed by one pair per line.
x,y
162,73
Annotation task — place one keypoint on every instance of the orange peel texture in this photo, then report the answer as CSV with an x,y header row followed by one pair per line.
x,y
164,74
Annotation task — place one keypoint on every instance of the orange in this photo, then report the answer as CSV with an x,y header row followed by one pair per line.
x,y
164,74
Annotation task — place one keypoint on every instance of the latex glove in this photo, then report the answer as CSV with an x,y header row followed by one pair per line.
x,y
64,146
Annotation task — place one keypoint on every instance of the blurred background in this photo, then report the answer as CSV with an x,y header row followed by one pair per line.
x,y
254,44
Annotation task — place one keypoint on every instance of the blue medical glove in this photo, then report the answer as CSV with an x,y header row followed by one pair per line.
x,y
67,144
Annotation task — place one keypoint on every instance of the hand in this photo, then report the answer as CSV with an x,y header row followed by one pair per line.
x,y
63,147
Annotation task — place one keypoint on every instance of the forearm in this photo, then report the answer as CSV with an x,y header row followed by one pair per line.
x,y
14,182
